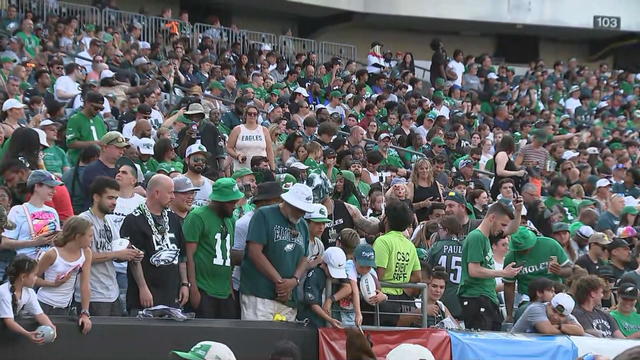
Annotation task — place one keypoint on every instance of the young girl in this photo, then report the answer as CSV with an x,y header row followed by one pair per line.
x,y
17,296
60,266
314,155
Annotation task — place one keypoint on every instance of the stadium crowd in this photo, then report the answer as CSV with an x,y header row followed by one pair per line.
x,y
234,184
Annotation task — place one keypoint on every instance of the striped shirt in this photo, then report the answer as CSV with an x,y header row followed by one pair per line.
x,y
534,156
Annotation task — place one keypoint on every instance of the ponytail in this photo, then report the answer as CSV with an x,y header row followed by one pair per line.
x,y
21,264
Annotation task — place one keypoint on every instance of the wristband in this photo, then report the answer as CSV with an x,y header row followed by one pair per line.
x,y
297,280
86,313
187,284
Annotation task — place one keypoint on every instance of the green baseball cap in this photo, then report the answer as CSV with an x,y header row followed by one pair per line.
x,y
438,94
559,227
216,85
440,81
278,86
437,141
207,350
365,255
348,175
167,167
616,146
225,190
456,196
336,93
629,210
106,37
318,215
241,172
286,181
90,27
523,239
540,134
275,92
6,59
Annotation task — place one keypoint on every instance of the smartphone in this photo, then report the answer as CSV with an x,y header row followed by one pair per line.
x,y
520,263
77,267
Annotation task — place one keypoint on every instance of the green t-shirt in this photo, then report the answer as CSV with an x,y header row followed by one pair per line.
x,y
214,237
240,211
397,255
55,159
81,128
628,324
392,159
31,43
536,262
283,248
570,210
153,164
312,164
448,254
477,249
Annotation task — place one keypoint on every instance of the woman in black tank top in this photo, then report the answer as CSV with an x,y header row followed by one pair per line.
x,y
504,167
340,219
423,189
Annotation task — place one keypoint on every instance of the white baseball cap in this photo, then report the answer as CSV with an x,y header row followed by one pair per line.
x,y
12,104
299,196
145,146
195,148
492,75
602,183
569,154
47,122
145,45
208,350
42,136
336,262
585,231
410,352
301,90
107,74
319,214
299,165
563,304
593,151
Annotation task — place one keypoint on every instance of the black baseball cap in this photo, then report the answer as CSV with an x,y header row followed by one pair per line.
x,y
628,291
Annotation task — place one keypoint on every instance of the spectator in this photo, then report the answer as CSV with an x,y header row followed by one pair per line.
x,y
157,276
196,157
588,293
211,294
552,318
184,193
68,86
112,147
540,291
610,219
626,315
86,127
249,140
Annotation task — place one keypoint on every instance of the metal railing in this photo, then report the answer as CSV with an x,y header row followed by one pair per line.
x,y
84,13
223,37
162,30
376,313
121,20
328,50
289,46
251,39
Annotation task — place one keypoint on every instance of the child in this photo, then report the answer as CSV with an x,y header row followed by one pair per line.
x,y
376,204
332,267
59,268
314,156
317,221
17,296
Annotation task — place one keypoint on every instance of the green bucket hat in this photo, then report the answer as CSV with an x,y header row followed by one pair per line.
x,y
241,172
183,119
225,190
523,239
348,175
216,85
629,210
437,141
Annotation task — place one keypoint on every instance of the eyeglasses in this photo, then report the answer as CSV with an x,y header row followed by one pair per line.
x,y
199,159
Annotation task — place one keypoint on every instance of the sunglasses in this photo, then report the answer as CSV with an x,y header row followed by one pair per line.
x,y
252,114
199,159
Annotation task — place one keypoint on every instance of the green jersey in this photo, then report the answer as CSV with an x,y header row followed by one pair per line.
x,y
398,256
214,237
536,262
477,249
448,254
31,43
81,128
285,245
570,209
55,159
628,324
242,210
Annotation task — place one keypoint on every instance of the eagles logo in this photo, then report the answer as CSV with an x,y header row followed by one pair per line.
x,y
289,247
165,257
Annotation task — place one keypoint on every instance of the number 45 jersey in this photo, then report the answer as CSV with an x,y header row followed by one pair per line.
x,y
448,254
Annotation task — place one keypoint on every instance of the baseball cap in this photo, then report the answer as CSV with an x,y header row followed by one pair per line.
x,y
114,138
384,136
207,350
585,231
398,180
628,291
267,191
123,160
107,74
319,214
456,196
336,93
617,243
336,262
523,239
629,210
492,75
145,146
47,122
145,45
437,141
559,227
144,109
182,184
592,151
216,85
626,232
225,190
194,108
563,303
574,88
298,165
6,59
12,104
410,352
603,183
42,177
292,125
599,238
347,175
142,60
167,168
299,196
569,154
466,162
241,172
365,255
302,91
195,148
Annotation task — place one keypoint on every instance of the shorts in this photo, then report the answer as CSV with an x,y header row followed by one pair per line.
x,y
216,308
481,313
395,305
255,308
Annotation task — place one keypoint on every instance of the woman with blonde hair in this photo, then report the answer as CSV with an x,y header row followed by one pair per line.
x,y
60,266
423,189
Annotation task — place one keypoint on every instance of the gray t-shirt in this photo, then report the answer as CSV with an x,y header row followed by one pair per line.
x,y
103,284
536,312
596,319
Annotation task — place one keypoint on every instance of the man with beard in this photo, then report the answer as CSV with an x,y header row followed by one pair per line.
x,y
477,289
105,294
276,257
185,193
112,146
456,205
196,159
160,276
246,181
209,233
207,134
356,169
390,156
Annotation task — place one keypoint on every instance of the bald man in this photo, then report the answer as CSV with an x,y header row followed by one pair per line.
x,y
161,277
